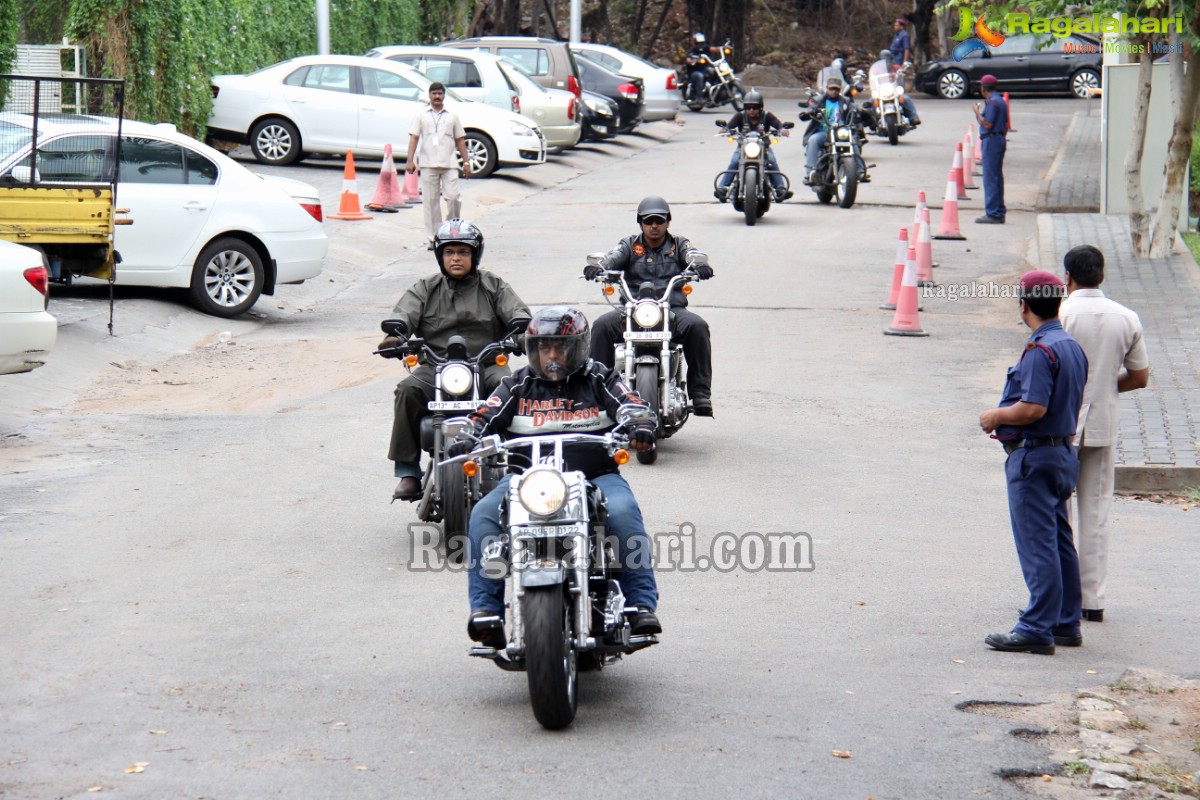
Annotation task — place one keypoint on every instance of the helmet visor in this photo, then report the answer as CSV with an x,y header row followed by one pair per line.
x,y
553,358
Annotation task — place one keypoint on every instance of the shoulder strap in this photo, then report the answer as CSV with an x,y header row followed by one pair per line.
x,y
1049,354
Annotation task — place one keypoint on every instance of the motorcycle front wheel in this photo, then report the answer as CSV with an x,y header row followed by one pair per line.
x,y
893,135
550,657
846,186
456,511
646,385
750,201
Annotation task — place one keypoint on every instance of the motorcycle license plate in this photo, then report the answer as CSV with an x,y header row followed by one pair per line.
x,y
543,530
454,405
646,336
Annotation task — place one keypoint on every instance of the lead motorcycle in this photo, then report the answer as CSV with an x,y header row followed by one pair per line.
x,y
751,191
649,360
568,612
447,494
840,168
720,85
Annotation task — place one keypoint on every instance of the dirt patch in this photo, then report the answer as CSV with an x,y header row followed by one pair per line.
x,y
1138,738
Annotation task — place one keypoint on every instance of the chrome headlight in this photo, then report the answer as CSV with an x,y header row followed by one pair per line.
x,y
843,134
543,491
457,379
647,314
520,128
753,149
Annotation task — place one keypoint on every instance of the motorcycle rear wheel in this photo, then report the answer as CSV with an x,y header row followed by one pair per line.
x,y
646,385
550,657
750,201
456,511
846,187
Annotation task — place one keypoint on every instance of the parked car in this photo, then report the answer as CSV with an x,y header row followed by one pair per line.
x,y
472,74
601,117
556,111
551,63
27,331
662,95
623,90
304,105
200,220
1071,64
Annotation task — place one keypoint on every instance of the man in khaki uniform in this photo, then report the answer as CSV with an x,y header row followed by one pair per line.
x,y
439,133
1111,337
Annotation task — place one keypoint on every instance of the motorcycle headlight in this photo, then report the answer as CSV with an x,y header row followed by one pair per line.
x,y
520,129
843,134
753,149
543,491
457,379
647,314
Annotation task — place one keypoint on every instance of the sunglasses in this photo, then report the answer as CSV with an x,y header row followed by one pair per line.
x,y
655,220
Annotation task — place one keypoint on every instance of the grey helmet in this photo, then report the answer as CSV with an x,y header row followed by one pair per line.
x,y
458,231
653,206
753,98
886,55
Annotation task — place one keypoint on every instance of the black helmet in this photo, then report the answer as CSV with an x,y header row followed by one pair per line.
x,y
653,206
558,325
753,98
458,231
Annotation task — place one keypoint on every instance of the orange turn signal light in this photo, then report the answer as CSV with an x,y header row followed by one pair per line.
x,y
470,468
621,457
501,360
410,361
610,291
687,288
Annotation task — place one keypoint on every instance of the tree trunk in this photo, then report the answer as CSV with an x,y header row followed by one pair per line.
x,y
1185,94
921,18
1139,220
731,22
666,9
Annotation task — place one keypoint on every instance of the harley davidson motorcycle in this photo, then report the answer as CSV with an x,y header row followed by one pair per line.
x,y
720,85
887,95
841,167
568,612
449,495
751,191
648,359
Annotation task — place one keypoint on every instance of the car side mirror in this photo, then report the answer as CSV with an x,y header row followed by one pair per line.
x,y
22,175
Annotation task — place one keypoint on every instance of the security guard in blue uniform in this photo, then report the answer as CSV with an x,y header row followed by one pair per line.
x,y
992,116
1036,422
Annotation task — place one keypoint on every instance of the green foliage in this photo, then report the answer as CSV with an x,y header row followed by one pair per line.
x,y
9,18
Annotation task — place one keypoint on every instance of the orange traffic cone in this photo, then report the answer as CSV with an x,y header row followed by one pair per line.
x,y
906,322
927,235
412,189
956,170
897,271
349,207
923,255
387,191
968,163
948,224
1008,104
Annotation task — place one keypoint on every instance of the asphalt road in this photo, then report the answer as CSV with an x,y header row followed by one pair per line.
x,y
202,573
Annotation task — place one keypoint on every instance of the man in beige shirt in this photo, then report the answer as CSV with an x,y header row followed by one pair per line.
x,y
1111,337
439,133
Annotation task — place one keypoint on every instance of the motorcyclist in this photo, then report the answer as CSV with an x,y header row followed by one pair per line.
x,y
753,117
656,255
907,106
698,65
479,306
824,111
563,390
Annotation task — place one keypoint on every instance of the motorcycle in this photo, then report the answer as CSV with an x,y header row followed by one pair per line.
x,y
751,191
447,494
841,167
568,612
887,95
720,85
648,359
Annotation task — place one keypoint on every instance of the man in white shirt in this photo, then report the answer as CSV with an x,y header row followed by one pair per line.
x,y
438,132
1111,337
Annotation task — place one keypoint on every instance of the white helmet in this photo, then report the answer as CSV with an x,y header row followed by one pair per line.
x,y
699,38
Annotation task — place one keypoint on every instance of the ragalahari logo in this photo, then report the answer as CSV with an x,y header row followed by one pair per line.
x,y
975,35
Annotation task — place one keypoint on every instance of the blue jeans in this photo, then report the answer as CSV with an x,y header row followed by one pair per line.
x,y
624,522
992,149
909,109
812,150
772,171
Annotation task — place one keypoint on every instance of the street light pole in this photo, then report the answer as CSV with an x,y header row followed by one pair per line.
x,y
323,27
576,21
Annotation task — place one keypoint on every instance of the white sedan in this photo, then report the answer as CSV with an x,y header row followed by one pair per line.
x,y
200,220
335,104
27,332
662,96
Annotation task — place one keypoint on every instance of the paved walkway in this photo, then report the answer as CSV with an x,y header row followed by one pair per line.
x,y
1159,447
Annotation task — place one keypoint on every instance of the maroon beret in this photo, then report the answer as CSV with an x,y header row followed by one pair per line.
x,y
988,80
1040,283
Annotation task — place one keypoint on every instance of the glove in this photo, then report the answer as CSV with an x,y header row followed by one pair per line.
x,y
390,343
459,449
642,438
592,272
703,271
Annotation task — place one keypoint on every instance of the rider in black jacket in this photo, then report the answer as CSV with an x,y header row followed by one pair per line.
x,y
753,117
561,391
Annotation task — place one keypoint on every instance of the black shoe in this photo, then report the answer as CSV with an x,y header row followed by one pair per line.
x,y
722,195
916,122
781,195
1018,643
1093,614
702,406
409,488
644,622
486,628
986,220
1069,640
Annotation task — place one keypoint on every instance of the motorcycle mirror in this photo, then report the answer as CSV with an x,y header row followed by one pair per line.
x,y
789,125
697,258
721,123
634,414
595,259
393,327
456,428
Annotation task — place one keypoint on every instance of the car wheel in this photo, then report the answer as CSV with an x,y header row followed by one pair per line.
x,y
275,141
228,278
482,153
1083,81
952,84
